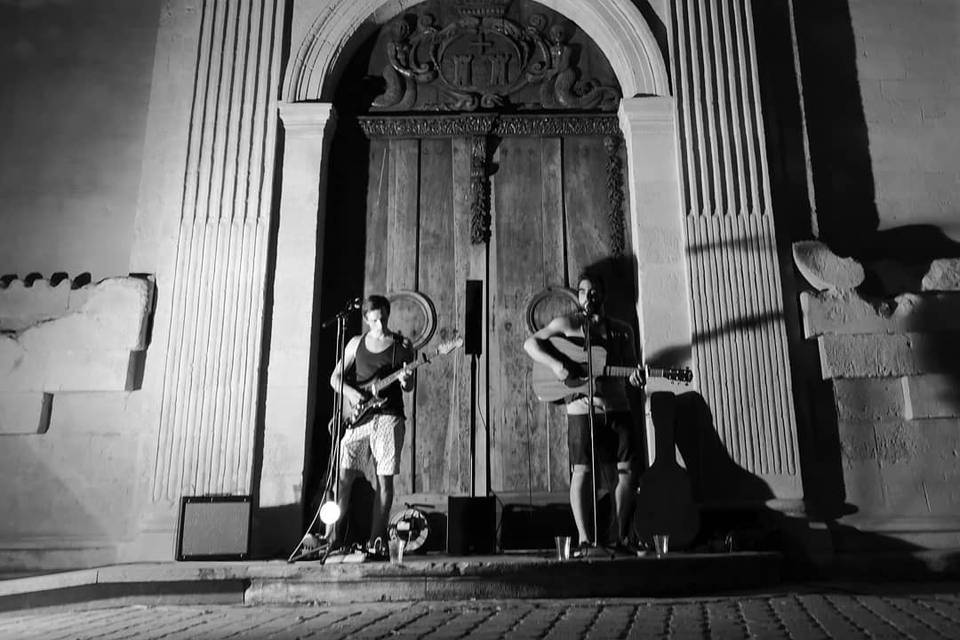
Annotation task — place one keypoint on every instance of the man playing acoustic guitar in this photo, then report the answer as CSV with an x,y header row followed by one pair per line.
x,y
378,432
614,433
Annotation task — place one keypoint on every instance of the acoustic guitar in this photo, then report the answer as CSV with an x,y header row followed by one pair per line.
x,y
371,390
548,388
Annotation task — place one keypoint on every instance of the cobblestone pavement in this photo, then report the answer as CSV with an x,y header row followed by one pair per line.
x,y
916,611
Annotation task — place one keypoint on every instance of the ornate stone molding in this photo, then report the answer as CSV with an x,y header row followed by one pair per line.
x,y
615,194
444,126
479,192
304,118
616,26
483,59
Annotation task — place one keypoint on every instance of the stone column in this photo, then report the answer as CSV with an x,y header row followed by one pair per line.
x,y
742,364
290,394
208,247
656,222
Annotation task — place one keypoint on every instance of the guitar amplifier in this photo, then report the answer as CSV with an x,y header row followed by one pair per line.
x,y
214,528
471,525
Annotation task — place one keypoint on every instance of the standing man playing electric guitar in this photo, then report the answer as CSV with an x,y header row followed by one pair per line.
x,y
615,438
380,430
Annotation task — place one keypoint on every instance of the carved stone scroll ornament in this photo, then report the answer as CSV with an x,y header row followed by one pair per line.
x,y
615,195
479,192
502,126
482,60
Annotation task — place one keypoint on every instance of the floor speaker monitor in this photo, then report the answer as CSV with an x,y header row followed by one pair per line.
x,y
214,528
471,525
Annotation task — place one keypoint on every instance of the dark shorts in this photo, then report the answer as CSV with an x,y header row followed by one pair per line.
x,y
613,438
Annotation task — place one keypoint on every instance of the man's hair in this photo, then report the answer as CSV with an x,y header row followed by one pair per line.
x,y
376,303
595,279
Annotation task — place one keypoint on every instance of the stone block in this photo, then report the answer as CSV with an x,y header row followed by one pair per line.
x,y
95,347
25,413
868,398
22,306
931,396
97,412
944,275
290,368
901,467
888,356
845,312
71,370
114,316
660,245
824,269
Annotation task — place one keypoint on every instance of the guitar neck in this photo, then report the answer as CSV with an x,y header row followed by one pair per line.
x,y
614,371
393,377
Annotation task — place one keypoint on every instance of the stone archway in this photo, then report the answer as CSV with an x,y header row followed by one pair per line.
x,y
655,213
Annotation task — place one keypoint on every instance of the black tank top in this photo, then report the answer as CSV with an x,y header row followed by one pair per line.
x,y
369,365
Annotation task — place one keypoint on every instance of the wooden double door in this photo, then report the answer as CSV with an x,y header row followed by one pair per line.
x,y
556,205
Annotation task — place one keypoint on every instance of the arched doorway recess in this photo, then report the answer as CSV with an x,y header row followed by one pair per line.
x,y
652,181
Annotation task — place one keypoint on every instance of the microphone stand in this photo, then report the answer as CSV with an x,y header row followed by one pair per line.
x,y
587,342
332,483
588,310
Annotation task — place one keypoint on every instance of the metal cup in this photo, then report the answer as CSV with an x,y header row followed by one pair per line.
x,y
396,547
661,543
563,547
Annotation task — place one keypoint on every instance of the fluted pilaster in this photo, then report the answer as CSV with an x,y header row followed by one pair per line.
x,y
740,345
212,372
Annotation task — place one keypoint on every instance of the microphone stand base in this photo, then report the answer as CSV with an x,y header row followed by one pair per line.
x,y
593,552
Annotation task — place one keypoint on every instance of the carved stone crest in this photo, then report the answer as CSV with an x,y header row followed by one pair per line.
x,y
481,59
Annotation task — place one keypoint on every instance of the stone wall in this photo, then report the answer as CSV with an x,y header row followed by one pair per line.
x,y
73,107
893,362
880,82
70,357
908,72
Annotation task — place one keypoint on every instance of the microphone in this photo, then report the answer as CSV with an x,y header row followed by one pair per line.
x,y
593,301
352,305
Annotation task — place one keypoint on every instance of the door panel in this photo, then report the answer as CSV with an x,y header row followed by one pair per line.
x,y
437,437
518,443
549,208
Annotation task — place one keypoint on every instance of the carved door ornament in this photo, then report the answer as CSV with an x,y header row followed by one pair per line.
x,y
484,60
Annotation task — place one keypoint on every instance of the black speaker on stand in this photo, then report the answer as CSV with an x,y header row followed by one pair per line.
x,y
472,520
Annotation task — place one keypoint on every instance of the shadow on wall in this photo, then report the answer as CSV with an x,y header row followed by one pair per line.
x,y
828,191
734,518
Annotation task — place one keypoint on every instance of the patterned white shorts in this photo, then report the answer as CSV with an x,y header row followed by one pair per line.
x,y
382,437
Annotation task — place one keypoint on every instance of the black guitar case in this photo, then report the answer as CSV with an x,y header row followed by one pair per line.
x,y
664,495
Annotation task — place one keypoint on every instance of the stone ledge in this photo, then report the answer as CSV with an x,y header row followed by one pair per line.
x,y
888,356
845,312
29,301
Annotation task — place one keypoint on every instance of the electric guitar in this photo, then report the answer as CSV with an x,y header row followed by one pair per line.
x,y
371,390
548,388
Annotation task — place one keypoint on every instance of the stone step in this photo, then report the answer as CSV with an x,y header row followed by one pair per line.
x,y
420,577
519,576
